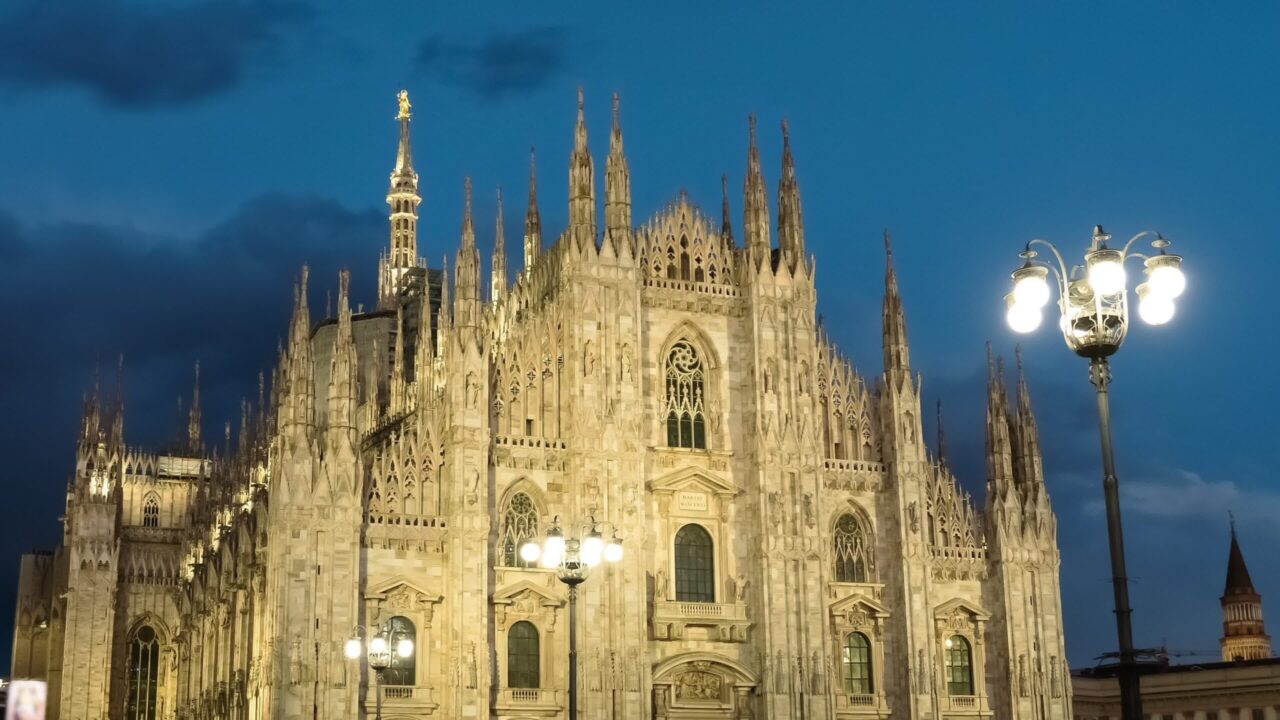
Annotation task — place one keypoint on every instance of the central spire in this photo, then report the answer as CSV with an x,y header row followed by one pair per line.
x,y
897,359
395,266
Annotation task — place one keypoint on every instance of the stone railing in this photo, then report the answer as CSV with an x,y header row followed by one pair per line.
x,y
728,621
525,700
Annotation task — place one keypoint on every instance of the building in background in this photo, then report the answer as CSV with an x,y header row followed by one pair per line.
x,y
793,548
1244,686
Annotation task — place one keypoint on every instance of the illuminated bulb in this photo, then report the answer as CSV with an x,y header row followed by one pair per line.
x,y
592,549
1022,318
352,648
378,645
553,553
613,551
530,552
1030,286
1167,279
404,648
1155,308
1106,272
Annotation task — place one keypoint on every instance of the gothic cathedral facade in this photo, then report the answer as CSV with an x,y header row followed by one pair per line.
x,y
792,549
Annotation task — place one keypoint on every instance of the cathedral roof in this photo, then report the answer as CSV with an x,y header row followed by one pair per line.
x,y
1238,580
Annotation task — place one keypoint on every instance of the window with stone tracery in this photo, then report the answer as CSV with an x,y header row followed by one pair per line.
x,y
143,675
151,512
685,407
519,524
853,555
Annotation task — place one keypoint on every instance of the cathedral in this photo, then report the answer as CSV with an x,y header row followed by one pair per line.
x,y
792,549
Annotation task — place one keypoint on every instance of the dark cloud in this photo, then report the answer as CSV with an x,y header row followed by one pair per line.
x,y
501,65
138,56
79,295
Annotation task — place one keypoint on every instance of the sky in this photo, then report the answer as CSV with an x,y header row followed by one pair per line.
x,y
166,168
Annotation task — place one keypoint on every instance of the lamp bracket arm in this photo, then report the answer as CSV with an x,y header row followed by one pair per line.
x,y
1134,239
1061,270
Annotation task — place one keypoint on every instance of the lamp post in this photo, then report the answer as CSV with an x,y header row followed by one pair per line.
x,y
572,558
1094,306
382,650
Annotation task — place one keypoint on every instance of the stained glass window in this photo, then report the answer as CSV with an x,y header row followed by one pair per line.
x,y
522,656
852,551
695,565
144,675
685,397
519,524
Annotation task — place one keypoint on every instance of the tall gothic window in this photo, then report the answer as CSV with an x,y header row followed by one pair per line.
x,y
151,512
144,675
685,397
403,670
857,664
695,565
852,554
519,524
959,666
523,656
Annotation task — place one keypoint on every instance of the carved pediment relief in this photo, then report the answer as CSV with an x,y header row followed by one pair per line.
x,y
525,592
958,616
402,595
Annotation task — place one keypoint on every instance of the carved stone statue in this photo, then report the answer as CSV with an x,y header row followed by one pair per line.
x,y
740,584
660,587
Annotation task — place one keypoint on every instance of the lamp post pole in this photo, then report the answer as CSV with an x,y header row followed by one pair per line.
x,y
572,558
1093,300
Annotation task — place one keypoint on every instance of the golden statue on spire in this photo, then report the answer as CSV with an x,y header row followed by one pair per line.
x,y
404,105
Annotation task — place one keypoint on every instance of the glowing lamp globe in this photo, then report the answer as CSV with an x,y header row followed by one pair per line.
x,y
1106,271
352,648
1030,286
592,549
553,553
1154,307
404,647
378,645
530,552
1022,318
613,551
1165,276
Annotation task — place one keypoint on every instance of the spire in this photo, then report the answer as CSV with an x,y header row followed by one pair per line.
x,y
498,269
1027,452
999,447
582,194
896,356
617,180
404,199
1244,634
942,438
726,225
755,210
466,309
301,395
532,220
790,217
193,415
397,399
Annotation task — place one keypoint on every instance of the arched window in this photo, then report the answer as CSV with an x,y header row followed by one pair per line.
x,y
522,656
852,553
685,397
403,670
151,512
143,675
519,523
959,666
695,565
857,664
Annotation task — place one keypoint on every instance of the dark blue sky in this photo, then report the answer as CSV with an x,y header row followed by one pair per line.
x,y
164,170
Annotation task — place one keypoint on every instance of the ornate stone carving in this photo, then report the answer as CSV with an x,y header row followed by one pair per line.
x,y
699,684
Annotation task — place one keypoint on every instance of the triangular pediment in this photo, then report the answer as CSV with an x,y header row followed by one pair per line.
x,y
509,594
960,604
400,583
693,478
858,601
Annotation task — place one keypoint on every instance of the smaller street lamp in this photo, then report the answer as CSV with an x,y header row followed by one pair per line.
x,y
572,558
382,650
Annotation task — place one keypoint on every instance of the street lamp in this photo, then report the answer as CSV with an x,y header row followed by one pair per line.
x,y
572,558
382,650
1094,306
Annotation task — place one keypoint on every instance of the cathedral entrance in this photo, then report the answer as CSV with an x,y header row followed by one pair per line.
x,y
703,686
